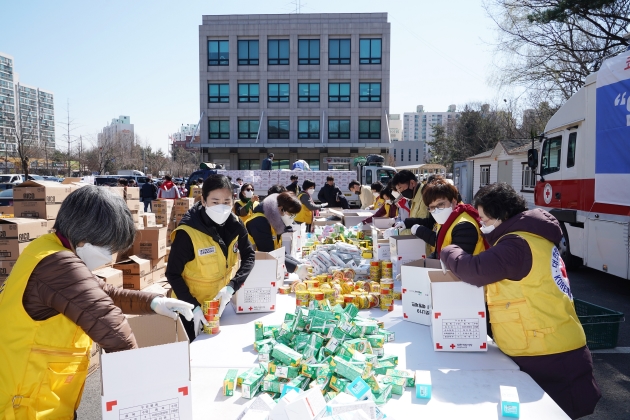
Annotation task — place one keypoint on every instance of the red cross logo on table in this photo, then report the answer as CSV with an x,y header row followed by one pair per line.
x,y
452,346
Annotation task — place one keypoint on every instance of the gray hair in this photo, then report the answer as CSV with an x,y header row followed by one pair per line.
x,y
98,216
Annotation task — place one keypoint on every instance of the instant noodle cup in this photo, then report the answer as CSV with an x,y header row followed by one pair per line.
x,y
329,294
284,290
302,295
299,287
312,284
325,286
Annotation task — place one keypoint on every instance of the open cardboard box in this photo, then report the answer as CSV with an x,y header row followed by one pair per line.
x,y
135,385
416,290
406,247
458,322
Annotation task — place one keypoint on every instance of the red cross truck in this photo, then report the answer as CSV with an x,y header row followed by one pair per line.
x,y
583,170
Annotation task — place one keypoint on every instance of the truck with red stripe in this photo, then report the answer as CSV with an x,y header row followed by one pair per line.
x,y
583,163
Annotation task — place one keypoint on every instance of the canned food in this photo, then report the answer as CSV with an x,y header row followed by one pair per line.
x,y
347,287
211,330
311,284
359,285
341,302
284,290
302,295
317,295
325,286
211,312
337,275
386,292
348,298
207,304
337,289
299,287
303,303
375,287
374,300
397,296
388,264
329,294
349,273
363,302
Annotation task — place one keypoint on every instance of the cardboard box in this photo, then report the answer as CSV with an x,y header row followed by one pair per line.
x,y
510,404
459,314
150,243
137,282
130,381
383,222
110,275
132,193
382,250
10,249
185,203
158,264
36,209
24,230
134,205
149,219
416,290
159,275
423,384
134,266
408,247
6,267
95,359
162,206
6,210
259,292
49,192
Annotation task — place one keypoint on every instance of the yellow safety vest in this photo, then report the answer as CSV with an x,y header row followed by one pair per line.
x,y
43,364
305,215
463,218
379,203
210,271
277,239
251,210
535,316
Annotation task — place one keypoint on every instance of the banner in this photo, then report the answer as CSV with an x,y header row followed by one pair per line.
x,y
612,144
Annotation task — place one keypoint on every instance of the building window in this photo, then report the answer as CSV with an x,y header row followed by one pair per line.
x,y
248,53
402,155
248,164
338,129
394,154
218,53
218,92
409,155
313,164
308,92
339,92
277,52
219,129
278,92
369,92
571,151
416,155
370,51
279,164
339,51
484,175
278,129
370,129
248,92
308,129
308,51
528,180
248,129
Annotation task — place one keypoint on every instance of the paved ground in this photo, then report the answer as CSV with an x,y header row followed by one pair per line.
x,y
612,370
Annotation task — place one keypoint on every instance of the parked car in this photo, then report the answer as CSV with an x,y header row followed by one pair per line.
x,y
6,186
12,178
6,197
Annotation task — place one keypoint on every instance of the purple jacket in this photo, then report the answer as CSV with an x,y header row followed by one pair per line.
x,y
511,257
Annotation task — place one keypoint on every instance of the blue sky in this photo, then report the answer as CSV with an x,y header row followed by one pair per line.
x,y
140,58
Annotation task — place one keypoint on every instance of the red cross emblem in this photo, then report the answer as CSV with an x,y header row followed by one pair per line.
x,y
452,346
250,308
547,193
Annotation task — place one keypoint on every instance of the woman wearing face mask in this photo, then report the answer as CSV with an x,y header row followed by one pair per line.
x,y
457,223
52,307
308,206
204,252
529,297
244,207
388,209
377,188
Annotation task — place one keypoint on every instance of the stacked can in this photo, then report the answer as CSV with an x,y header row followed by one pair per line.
x,y
284,290
211,313
375,270
387,294
387,270
302,298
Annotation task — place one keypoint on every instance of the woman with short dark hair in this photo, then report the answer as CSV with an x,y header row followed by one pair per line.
x,y
529,298
246,203
308,205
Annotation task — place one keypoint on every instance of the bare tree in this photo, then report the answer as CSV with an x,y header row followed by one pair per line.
x,y
23,128
69,126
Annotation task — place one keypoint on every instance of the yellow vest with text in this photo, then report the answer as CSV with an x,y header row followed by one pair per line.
x,y
535,316
251,210
464,218
210,271
43,364
277,240
378,204
305,215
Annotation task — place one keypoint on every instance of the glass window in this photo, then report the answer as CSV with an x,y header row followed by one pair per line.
x,y
248,164
370,92
416,155
402,155
278,92
279,164
248,129
551,155
277,52
484,176
218,92
278,129
371,129
308,51
248,92
339,51
394,154
308,92
219,129
370,51
385,175
308,129
339,92
248,53
571,151
338,129
368,177
218,53
528,180
313,164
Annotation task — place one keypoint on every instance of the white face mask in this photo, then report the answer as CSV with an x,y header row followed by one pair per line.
x,y
287,219
441,215
249,194
94,256
219,213
396,194
376,195
311,191
487,229
388,201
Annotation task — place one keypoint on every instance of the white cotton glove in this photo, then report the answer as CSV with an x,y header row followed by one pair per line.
x,y
198,320
324,205
302,271
225,295
171,307
399,225
414,228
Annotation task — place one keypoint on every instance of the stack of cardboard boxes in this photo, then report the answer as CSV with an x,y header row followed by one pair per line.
x,y
15,235
41,199
131,196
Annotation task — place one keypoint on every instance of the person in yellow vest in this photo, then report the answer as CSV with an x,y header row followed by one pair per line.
x,y
52,307
308,206
247,202
388,209
377,187
205,250
529,297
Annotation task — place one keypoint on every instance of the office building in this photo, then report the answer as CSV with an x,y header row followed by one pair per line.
x,y
120,130
418,126
307,86
395,127
406,153
185,132
184,138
